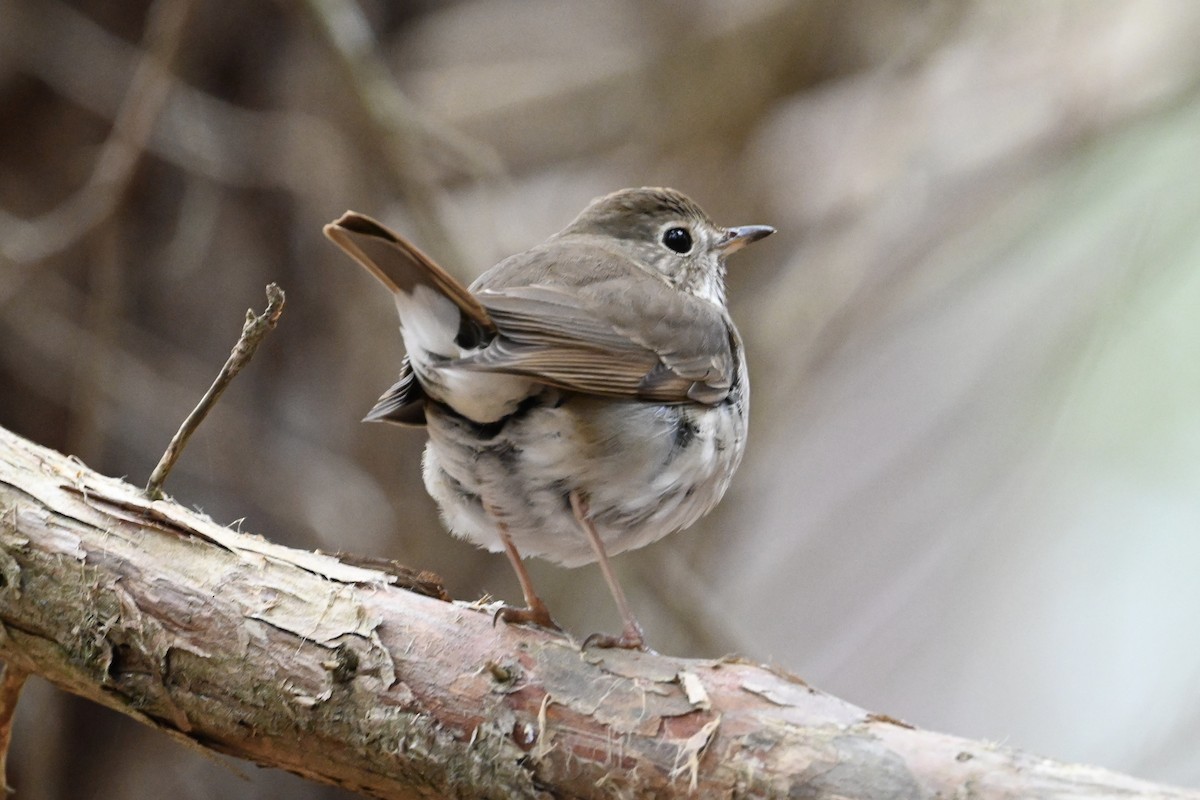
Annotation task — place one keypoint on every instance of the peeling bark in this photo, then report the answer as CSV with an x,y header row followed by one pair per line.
x,y
365,676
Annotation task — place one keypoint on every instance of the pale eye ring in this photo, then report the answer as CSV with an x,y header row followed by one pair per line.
x,y
677,239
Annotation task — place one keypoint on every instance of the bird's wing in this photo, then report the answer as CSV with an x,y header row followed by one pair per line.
x,y
403,403
627,334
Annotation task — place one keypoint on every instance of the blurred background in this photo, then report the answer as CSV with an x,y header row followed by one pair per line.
x,y
972,493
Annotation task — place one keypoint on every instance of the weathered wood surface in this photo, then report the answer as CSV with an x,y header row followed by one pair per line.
x,y
366,678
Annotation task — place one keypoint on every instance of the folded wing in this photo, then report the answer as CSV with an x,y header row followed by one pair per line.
x,y
624,334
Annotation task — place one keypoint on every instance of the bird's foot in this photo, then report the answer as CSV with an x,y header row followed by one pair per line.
x,y
630,639
536,614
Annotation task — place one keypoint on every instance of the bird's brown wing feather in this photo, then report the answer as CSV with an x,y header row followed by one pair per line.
x,y
635,337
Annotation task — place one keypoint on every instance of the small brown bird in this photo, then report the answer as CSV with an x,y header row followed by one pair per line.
x,y
585,397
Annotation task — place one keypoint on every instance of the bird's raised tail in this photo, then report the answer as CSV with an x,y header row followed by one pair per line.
x,y
439,317
404,270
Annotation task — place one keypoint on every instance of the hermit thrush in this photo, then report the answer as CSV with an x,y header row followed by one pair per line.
x,y
585,397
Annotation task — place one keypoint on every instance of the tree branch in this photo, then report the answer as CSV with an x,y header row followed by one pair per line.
x,y
369,679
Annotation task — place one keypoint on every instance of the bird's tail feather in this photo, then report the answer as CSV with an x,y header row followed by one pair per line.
x,y
418,284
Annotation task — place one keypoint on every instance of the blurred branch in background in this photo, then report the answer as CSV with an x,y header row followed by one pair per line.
x,y
412,146
25,242
969,497
198,133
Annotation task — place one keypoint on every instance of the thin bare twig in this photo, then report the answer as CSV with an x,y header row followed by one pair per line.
x,y
46,329
253,331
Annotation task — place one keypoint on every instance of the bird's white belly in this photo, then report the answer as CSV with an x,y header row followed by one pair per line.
x,y
646,470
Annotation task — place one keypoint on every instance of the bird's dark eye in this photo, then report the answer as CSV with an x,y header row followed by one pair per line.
x,y
678,239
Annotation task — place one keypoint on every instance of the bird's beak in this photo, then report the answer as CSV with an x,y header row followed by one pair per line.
x,y
737,238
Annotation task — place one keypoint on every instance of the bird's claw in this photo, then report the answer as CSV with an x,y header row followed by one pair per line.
x,y
537,615
630,639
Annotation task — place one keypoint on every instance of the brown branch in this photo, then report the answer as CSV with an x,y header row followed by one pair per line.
x,y
253,331
336,672
12,681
